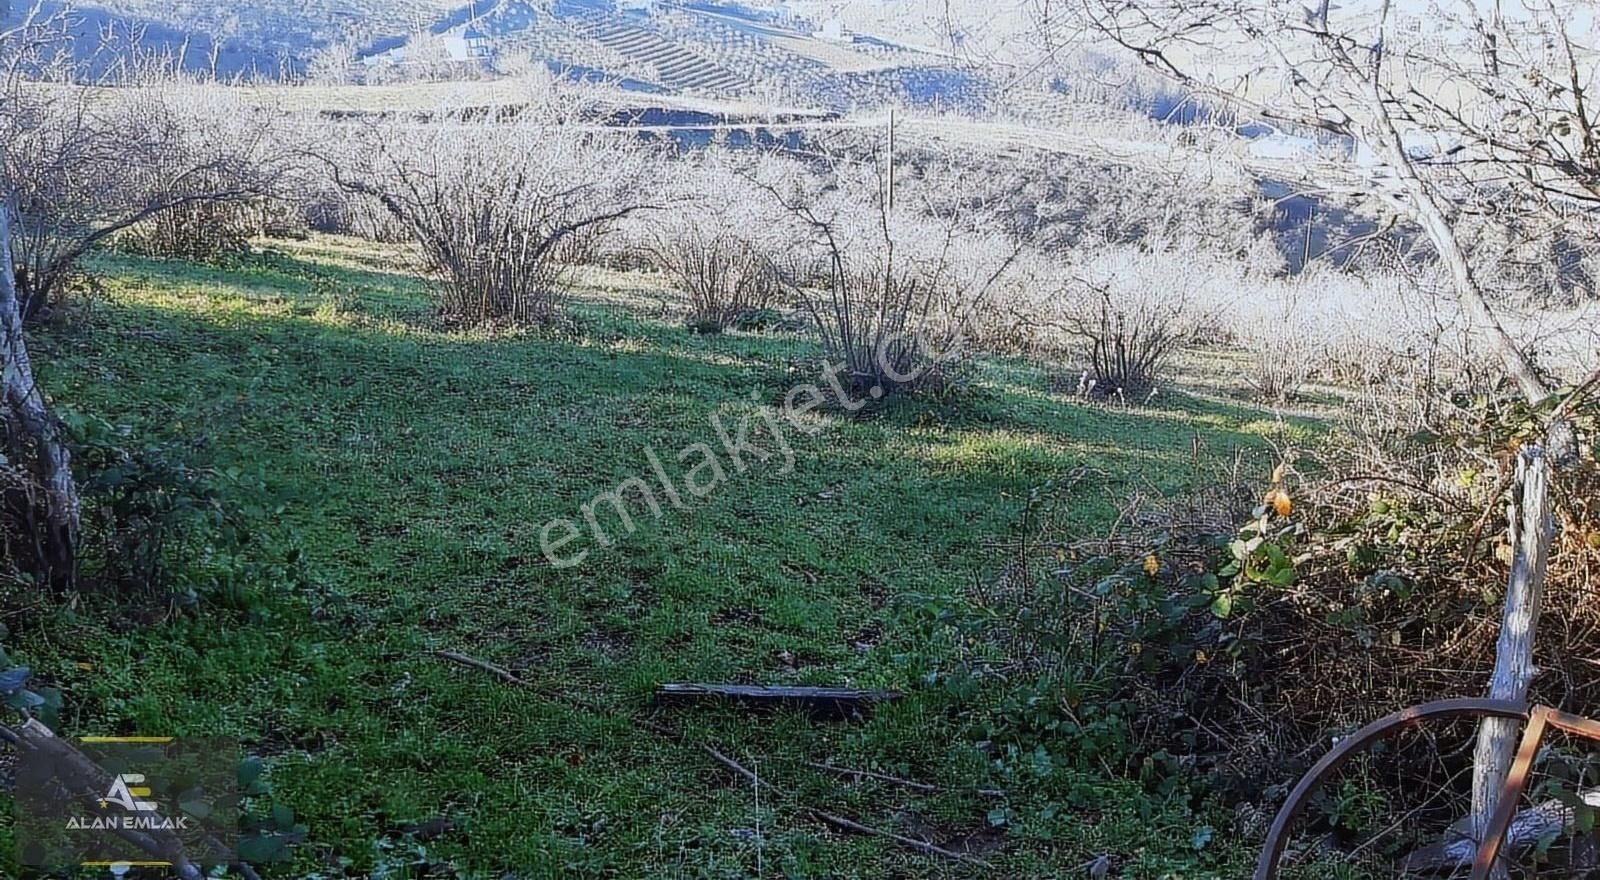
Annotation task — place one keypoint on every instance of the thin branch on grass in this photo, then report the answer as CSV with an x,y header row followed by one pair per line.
x,y
839,822
843,824
903,783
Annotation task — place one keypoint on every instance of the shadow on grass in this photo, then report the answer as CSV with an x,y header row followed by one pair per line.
x,y
454,429
597,401
425,464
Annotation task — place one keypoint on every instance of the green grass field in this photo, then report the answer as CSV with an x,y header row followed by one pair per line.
x,y
415,468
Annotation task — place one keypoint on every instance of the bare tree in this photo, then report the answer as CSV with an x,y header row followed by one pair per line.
x,y
78,164
1442,116
46,503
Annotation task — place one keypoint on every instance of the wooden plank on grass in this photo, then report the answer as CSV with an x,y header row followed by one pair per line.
x,y
818,702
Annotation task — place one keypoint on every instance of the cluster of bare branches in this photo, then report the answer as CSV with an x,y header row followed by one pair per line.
x,y
501,209
1126,312
84,161
894,273
722,243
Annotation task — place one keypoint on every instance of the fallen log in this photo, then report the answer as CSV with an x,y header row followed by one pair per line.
x,y
819,702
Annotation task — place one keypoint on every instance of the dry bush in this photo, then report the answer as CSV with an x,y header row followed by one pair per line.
x,y
1401,338
1379,328
1285,340
1181,194
726,275
1124,313
83,163
197,231
1284,356
501,209
1393,563
1401,557
722,243
1017,321
892,290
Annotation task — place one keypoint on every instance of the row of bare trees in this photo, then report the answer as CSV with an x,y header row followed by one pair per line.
x,y
502,208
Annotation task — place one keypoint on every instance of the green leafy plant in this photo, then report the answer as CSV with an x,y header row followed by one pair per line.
x,y
156,522
268,828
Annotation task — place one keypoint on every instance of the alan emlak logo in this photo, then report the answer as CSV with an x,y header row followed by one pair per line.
x,y
185,791
128,810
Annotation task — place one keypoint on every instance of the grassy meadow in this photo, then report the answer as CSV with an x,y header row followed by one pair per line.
x,y
399,476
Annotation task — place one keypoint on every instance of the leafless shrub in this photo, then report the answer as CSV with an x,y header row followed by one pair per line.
x,y
1125,313
196,231
1128,343
1285,345
724,273
893,289
500,210
83,163
1283,362
424,57
724,244
336,64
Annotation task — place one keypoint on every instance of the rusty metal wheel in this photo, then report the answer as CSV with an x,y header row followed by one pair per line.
x,y
1390,801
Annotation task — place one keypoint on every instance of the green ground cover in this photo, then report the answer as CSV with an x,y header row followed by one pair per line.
x,y
408,470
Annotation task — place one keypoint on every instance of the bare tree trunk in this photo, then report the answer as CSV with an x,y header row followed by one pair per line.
x,y
1532,522
1424,207
1532,529
32,437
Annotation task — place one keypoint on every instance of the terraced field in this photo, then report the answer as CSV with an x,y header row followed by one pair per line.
x,y
673,65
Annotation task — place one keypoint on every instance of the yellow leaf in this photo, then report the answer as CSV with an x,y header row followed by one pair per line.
x,y
1152,565
1278,472
1279,501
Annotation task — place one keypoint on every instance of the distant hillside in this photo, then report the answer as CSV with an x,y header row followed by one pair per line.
x,y
266,37
292,25
784,52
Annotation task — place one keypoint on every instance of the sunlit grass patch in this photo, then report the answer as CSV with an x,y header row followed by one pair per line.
x,y
416,466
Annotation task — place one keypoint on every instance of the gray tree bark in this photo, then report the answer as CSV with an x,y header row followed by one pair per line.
x,y
1532,526
32,437
1531,519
